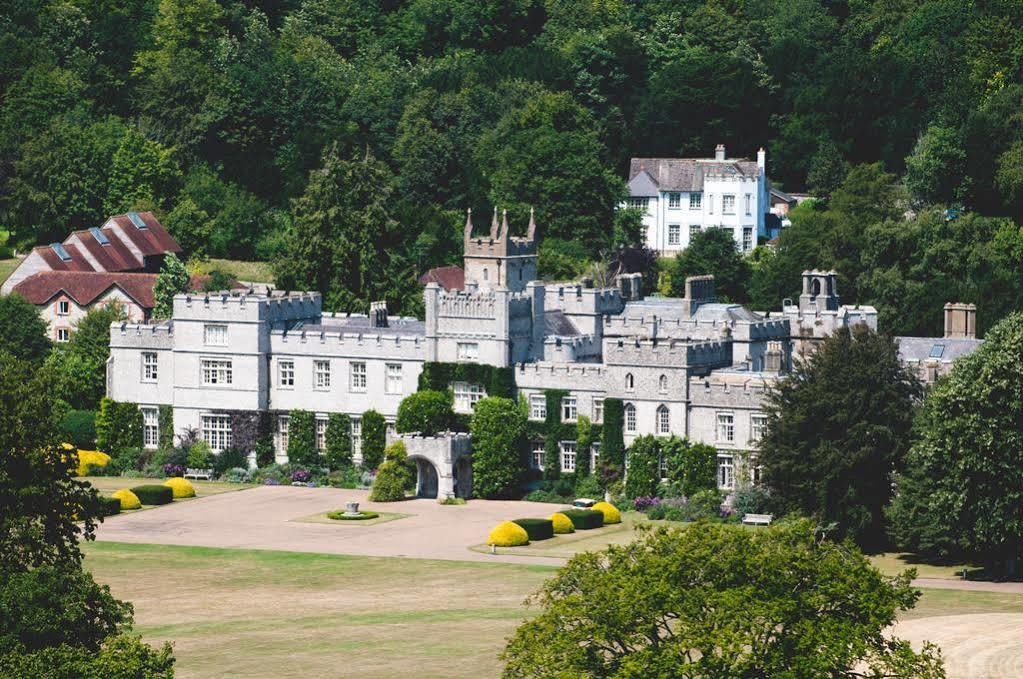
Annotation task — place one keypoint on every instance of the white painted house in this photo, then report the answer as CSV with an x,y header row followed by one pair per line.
x,y
682,196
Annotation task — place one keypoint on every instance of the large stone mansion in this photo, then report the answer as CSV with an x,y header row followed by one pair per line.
x,y
690,367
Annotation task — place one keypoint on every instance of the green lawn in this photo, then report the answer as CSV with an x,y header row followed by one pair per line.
x,y
250,272
7,266
248,613
891,563
109,484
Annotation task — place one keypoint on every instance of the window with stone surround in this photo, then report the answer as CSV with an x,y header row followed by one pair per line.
x,y
150,428
674,234
728,204
598,410
466,395
216,432
216,372
569,409
630,417
358,376
286,373
726,427
758,426
538,407
149,365
355,424
663,420
214,335
726,472
568,452
536,456
468,351
321,374
321,433
393,382
283,424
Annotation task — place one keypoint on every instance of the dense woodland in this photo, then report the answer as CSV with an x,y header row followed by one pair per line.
x,y
343,139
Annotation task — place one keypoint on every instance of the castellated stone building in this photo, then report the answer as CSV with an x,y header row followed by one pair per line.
x,y
690,367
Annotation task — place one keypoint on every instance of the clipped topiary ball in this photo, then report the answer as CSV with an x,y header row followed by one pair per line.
x,y
508,534
562,524
610,512
128,499
181,487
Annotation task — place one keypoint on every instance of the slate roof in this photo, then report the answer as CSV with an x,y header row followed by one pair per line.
x,y
448,277
715,311
555,323
85,287
686,174
916,349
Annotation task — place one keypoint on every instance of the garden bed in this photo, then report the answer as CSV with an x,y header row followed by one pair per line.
x,y
324,518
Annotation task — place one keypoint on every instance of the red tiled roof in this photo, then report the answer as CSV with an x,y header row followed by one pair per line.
x,y
112,257
154,240
78,262
449,277
85,287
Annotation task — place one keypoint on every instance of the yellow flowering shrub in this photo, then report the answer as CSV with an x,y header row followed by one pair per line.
x,y
610,512
128,499
89,457
181,487
562,524
508,534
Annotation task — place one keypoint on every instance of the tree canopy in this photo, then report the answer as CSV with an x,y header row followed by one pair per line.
x,y
837,428
960,493
720,600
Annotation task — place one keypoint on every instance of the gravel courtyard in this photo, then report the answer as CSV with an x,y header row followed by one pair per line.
x,y
276,517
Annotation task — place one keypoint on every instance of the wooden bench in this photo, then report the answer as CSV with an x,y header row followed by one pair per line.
x,y
199,474
757,519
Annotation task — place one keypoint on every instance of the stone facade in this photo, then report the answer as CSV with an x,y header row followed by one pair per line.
x,y
690,367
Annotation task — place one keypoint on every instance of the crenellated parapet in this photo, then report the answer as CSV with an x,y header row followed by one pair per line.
x,y
142,335
668,353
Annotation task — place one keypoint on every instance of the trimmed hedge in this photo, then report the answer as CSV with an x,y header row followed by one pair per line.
x,y
153,494
585,519
562,524
610,512
127,499
108,506
508,534
79,427
537,529
181,488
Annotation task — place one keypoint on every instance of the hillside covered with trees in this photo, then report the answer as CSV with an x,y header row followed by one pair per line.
x,y
256,129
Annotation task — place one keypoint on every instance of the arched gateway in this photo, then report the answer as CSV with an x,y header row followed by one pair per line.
x,y
443,463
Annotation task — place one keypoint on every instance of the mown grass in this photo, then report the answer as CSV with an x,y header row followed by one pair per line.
x,y
109,484
7,267
250,613
250,272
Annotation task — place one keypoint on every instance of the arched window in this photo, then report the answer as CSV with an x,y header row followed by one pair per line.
x,y
663,420
630,417
630,382
815,287
486,274
662,384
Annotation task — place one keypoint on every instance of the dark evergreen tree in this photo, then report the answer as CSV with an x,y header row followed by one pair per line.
x,y
837,428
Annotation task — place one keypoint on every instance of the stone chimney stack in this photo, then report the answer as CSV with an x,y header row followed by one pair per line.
x,y
378,314
699,290
719,152
960,321
774,358
762,159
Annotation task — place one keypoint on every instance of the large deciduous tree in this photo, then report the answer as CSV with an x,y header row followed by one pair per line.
x,y
498,428
962,489
714,252
717,600
837,428
22,329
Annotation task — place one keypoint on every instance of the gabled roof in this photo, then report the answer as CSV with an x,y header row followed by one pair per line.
x,y
687,174
85,287
113,256
76,262
448,277
153,240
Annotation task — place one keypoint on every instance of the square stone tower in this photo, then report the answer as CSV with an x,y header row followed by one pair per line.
x,y
500,261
